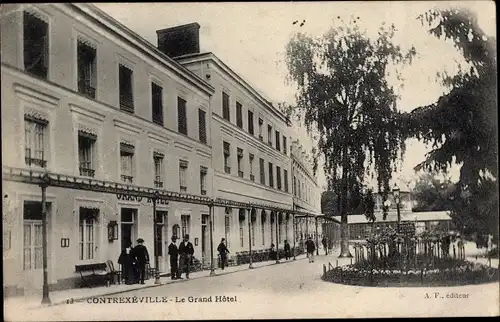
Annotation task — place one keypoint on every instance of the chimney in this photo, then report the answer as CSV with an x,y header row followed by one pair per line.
x,y
180,40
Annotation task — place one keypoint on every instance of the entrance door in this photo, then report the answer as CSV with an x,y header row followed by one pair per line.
x,y
160,241
128,227
32,244
205,252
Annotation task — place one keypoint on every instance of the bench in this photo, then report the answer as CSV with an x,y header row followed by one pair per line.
x,y
96,273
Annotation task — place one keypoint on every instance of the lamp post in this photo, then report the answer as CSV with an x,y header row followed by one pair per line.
x,y
210,214
45,287
157,271
395,192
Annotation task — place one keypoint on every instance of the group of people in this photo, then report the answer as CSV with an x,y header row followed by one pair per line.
x,y
181,257
134,261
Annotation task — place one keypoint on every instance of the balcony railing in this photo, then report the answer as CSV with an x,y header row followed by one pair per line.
x,y
127,179
85,88
87,172
38,70
270,143
158,184
158,119
252,177
183,188
240,173
261,138
203,192
127,103
36,162
227,169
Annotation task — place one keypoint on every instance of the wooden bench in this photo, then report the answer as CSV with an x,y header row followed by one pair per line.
x,y
94,274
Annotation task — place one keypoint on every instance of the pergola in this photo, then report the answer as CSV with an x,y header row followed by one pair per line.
x,y
45,179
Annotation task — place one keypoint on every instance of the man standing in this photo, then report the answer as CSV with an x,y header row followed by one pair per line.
x,y
186,251
287,250
325,244
223,251
310,247
173,252
142,258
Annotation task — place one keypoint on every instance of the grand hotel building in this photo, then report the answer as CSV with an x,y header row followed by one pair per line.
x,y
85,98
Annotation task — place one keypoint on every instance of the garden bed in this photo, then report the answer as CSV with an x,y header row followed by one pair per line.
x,y
463,274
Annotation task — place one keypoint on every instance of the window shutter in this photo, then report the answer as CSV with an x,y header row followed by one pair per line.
x,y
181,116
202,126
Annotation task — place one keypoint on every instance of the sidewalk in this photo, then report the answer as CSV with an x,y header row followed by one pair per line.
x,y
81,294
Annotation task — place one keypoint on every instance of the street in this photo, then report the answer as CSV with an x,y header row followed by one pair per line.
x,y
288,290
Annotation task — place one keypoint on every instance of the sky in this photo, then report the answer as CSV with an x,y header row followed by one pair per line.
x,y
251,38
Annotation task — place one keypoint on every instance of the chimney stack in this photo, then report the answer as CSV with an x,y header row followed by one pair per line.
x,y
179,40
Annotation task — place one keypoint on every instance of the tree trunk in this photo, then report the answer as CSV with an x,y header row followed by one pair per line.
x,y
344,233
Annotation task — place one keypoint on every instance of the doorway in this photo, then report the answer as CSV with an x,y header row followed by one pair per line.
x,y
32,243
160,242
128,227
204,240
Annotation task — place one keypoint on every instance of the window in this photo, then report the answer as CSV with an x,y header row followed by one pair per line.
x,y
35,141
127,162
284,144
203,180
36,45
294,186
185,225
262,171
250,122
269,135
86,144
126,89
240,163
157,103
183,165
225,106
278,137
239,115
261,122
242,224
227,229
158,162
32,235
181,116
87,78
250,158
227,155
87,228
202,126
278,177
285,175
271,176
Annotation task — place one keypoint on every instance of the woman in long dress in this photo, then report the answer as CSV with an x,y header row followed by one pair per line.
x,y
126,260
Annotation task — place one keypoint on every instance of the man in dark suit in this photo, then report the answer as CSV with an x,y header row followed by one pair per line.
x,y
173,252
142,258
310,247
186,251
223,251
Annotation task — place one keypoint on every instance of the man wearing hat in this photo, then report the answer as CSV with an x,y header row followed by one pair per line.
x,y
173,252
142,258
310,247
186,251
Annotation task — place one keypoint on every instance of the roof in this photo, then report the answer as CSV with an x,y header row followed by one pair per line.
x,y
198,57
405,216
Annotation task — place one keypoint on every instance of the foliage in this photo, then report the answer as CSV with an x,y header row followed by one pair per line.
x,y
462,124
433,194
344,95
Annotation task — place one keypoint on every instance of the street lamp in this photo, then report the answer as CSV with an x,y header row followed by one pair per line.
x,y
395,192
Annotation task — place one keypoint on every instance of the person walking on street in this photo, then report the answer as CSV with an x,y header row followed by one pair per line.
x,y
173,252
223,251
186,251
142,258
310,247
325,244
287,250
126,260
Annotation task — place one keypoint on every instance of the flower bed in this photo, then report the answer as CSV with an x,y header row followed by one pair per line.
x,y
462,274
